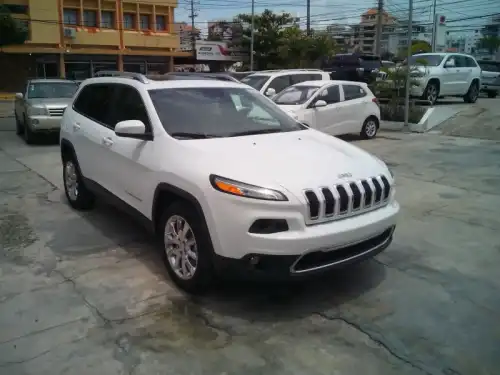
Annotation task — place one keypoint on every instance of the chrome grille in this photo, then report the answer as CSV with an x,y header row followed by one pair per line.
x,y
56,112
347,199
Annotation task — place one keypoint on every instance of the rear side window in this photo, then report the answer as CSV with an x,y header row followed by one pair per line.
x,y
470,62
297,78
280,83
353,92
489,67
315,77
94,102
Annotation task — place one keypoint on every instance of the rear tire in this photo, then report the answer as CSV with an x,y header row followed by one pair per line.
x,y
187,248
472,93
79,197
370,128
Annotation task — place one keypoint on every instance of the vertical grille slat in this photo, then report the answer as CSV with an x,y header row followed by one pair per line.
x,y
378,190
313,203
344,199
329,201
387,187
368,193
356,196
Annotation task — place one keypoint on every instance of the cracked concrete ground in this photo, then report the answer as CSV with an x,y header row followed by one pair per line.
x,y
86,293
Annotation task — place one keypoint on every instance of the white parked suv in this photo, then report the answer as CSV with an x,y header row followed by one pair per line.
x,y
271,82
333,107
445,74
235,184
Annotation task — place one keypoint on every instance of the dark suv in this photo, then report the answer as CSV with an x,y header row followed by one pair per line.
x,y
353,67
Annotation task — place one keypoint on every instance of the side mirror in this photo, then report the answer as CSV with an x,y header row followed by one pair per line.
x,y
319,103
449,64
132,129
19,95
270,92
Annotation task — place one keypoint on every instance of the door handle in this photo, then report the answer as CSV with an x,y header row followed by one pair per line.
x,y
107,141
76,126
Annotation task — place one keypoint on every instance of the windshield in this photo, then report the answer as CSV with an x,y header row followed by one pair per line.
x,y
426,60
220,112
257,82
295,95
45,90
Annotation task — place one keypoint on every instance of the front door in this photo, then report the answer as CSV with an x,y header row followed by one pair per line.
x,y
329,119
452,78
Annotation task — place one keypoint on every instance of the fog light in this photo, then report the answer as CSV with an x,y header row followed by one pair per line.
x,y
254,260
35,122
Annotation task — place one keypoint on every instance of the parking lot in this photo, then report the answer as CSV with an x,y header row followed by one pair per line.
x,y
87,294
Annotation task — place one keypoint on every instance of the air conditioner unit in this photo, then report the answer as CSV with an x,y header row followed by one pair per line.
x,y
69,33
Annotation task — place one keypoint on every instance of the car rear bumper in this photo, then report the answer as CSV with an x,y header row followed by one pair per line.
x,y
45,123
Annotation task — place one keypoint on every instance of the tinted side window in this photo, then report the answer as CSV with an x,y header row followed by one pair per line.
x,y
460,61
280,83
315,77
330,95
353,92
129,106
94,102
297,78
489,67
470,62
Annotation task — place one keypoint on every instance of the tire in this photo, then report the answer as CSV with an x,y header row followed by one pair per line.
x,y
202,273
19,126
431,93
492,94
370,128
29,135
472,93
79,197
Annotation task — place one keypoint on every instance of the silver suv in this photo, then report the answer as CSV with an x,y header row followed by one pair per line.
x,y
39,108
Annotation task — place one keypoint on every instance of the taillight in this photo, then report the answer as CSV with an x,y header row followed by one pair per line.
x,y
375,100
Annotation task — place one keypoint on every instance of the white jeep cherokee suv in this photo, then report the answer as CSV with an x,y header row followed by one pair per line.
x,y
445,74
225,178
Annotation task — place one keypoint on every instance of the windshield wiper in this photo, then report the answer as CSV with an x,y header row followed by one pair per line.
x,y
253,132
193,135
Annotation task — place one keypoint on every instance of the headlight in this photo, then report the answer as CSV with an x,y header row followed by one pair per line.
x,y
242,189
37,111
417,74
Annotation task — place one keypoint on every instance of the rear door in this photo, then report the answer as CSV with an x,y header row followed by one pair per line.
x,y
92,131
354,108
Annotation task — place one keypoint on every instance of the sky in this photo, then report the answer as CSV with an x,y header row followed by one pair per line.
x,y
325,12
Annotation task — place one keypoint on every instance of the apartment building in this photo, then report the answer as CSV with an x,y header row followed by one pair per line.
x,y
185,33
76,38
365,33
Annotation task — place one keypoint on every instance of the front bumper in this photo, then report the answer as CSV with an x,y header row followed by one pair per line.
x,y
234,244
45,123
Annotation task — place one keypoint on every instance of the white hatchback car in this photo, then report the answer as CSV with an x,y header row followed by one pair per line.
x,y
271,82
235,184
333,107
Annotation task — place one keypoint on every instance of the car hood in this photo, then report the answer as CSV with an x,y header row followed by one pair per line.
x,y
50,102
292,160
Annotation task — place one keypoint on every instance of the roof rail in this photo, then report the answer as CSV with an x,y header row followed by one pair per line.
x,y
115,73
288,70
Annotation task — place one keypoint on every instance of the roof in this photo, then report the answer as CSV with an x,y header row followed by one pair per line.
x,y
329,82
51,80
152,84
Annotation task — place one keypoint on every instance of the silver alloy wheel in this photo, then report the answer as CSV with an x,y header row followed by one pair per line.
x,y
371,128
71,180
474,92
432,93
181,247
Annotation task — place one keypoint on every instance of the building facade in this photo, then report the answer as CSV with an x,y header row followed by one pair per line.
x,y
76,38
365,33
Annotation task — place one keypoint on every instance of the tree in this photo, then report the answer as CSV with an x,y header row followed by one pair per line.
x,y
490,43
420,46
11,31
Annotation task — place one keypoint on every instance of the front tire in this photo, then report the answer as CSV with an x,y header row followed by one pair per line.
x,y
472,94
187,248
29,135
19,126
370,128
79,197
431,93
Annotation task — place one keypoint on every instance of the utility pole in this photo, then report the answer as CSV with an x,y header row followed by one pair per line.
x,y
193,34
308,27
433,40
406,126
252,35
380,11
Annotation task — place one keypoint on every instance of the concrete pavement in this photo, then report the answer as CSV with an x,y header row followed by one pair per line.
x,y
87,294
